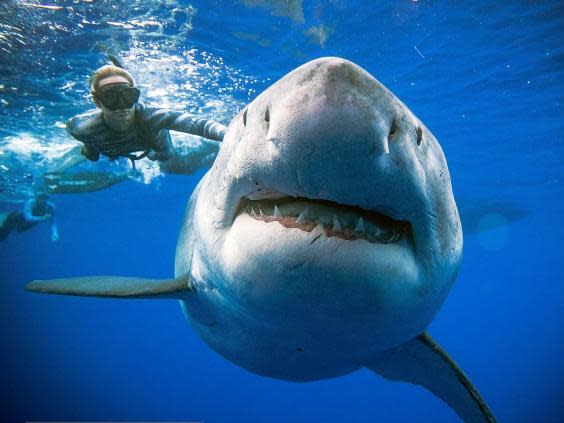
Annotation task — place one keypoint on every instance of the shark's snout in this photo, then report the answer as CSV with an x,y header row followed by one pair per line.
x,y
341,109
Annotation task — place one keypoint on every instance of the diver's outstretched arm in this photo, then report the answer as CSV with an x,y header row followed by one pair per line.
x,y
184,122
188,158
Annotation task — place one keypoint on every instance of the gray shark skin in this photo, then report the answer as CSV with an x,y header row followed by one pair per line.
x,y
324,238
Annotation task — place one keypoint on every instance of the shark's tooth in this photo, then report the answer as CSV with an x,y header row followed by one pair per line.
x,y
261,214
276,211
253,213
395,237
336,225
301,218
360,226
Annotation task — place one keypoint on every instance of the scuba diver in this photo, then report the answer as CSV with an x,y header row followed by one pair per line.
x,y
35,210
122,125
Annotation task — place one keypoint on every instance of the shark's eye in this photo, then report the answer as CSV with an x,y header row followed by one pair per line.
x,y
245,117
419,135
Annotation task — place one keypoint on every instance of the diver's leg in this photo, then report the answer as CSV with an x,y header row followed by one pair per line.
x,y
22,224
7,223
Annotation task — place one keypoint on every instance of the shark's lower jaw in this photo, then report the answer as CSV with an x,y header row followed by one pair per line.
x,y
335,220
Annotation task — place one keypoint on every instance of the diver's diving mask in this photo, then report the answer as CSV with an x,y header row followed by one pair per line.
x,y
117,96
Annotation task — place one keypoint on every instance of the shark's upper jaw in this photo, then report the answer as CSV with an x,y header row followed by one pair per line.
x,y
335,220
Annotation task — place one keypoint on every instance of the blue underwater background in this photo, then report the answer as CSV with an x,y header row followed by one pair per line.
x,y
487,78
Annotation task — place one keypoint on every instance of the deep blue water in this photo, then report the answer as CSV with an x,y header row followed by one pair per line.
x,y
487,79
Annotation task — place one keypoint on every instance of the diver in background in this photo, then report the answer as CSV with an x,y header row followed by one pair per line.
x,y
35,210
122,125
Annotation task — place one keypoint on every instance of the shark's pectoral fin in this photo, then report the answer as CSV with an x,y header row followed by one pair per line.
x,y
115,286
423,362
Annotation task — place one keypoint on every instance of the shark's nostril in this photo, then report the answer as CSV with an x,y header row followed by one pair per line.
x,y
267,120
393,129
419,132
245,117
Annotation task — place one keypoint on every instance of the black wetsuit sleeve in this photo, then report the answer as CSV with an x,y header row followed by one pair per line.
x,y
88,150
183,122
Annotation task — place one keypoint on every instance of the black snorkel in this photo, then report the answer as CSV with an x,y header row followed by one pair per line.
x,y
115,61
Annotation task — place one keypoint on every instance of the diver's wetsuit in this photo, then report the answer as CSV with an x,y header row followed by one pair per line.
x,y
149,132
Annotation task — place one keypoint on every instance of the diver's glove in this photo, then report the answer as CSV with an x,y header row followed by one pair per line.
x,y
90,154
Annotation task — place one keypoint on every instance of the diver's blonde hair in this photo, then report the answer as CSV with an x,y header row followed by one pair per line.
x,y
104,72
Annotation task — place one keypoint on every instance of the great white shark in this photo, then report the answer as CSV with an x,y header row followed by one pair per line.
x,y
324,239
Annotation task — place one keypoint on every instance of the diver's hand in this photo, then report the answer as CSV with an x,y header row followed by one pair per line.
x,y
54,234
222,133
90,154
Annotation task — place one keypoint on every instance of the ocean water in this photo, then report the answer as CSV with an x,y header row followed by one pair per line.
x,y
486,78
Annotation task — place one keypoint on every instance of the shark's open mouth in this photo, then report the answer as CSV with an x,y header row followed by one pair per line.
x,y
346,222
